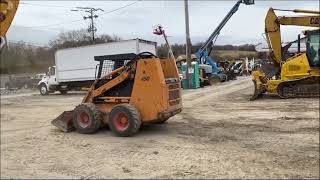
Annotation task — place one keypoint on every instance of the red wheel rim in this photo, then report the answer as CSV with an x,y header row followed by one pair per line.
x,y
83,120
121,121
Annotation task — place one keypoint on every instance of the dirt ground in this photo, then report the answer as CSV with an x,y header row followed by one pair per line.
x,y
219,134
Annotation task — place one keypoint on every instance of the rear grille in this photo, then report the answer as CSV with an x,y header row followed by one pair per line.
x,y
174,86
174,94
175,102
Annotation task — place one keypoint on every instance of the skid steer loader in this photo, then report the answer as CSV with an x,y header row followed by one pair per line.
x,y
139,89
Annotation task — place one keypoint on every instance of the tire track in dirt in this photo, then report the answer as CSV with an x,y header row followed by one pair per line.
x,y
192,94
215,93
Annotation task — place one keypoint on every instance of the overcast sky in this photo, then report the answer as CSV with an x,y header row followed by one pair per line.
x,y
39,21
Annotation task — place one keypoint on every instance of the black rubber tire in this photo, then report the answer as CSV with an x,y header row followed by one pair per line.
x,y
134,120
63,92
7,86
44,93
25,86
202,84
95,118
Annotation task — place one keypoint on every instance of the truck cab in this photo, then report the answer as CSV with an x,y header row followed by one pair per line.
x,y
48,82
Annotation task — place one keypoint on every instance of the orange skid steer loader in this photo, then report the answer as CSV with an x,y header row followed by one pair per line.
x,y
140,89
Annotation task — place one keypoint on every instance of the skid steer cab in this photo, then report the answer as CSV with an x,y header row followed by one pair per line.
x,y
130,90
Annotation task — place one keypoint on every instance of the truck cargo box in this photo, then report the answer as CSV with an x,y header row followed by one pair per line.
x,y
77,64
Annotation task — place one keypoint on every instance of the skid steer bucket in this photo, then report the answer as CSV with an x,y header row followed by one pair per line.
x,y
64,121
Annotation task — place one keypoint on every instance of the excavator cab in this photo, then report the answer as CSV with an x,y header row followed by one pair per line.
x,y
313,47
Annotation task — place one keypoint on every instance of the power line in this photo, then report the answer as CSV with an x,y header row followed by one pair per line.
x,y
120,8
92,28
46,5
57,24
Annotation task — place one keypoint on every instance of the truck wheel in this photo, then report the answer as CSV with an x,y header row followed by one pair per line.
x,y
7,86
43,90
63,91
25,86
124,120
86,118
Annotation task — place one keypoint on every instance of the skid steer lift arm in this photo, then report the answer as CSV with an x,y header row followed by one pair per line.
x,y
122,73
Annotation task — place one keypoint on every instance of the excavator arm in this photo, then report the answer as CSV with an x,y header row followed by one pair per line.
x,y
8,10
273,23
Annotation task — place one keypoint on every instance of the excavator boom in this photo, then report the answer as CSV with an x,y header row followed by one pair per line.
x,y
272,28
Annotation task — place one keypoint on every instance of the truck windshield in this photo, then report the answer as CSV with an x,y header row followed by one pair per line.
x,y
313,51
51,71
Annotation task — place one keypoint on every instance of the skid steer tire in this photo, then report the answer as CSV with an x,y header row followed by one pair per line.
x,y
87,118
124,120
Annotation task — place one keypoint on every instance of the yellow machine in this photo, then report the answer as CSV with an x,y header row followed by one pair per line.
x,y
295,75
8,10
145,89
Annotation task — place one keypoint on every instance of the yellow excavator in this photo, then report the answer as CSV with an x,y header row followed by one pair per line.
x,y
290,75
8,10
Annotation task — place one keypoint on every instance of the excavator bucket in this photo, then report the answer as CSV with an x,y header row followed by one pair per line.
x,y
64,121
257,91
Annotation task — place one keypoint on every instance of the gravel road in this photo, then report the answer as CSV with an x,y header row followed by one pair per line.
x,y
219,134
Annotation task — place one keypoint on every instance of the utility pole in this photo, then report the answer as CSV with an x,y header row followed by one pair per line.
x,y
190,70
92,28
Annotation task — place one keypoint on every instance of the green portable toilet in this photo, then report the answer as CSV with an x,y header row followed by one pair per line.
x,y
194,71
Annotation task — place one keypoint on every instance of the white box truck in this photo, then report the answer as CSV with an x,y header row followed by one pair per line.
x,y
75,67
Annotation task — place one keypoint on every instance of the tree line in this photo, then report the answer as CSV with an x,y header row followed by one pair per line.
x,y
179,49
23,58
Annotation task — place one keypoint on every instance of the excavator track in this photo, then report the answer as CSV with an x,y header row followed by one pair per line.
x,y
303,88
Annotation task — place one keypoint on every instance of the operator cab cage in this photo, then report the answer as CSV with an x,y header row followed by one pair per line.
x,y
108,63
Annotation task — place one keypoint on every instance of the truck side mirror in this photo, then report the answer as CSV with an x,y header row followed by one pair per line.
x,y
248,2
